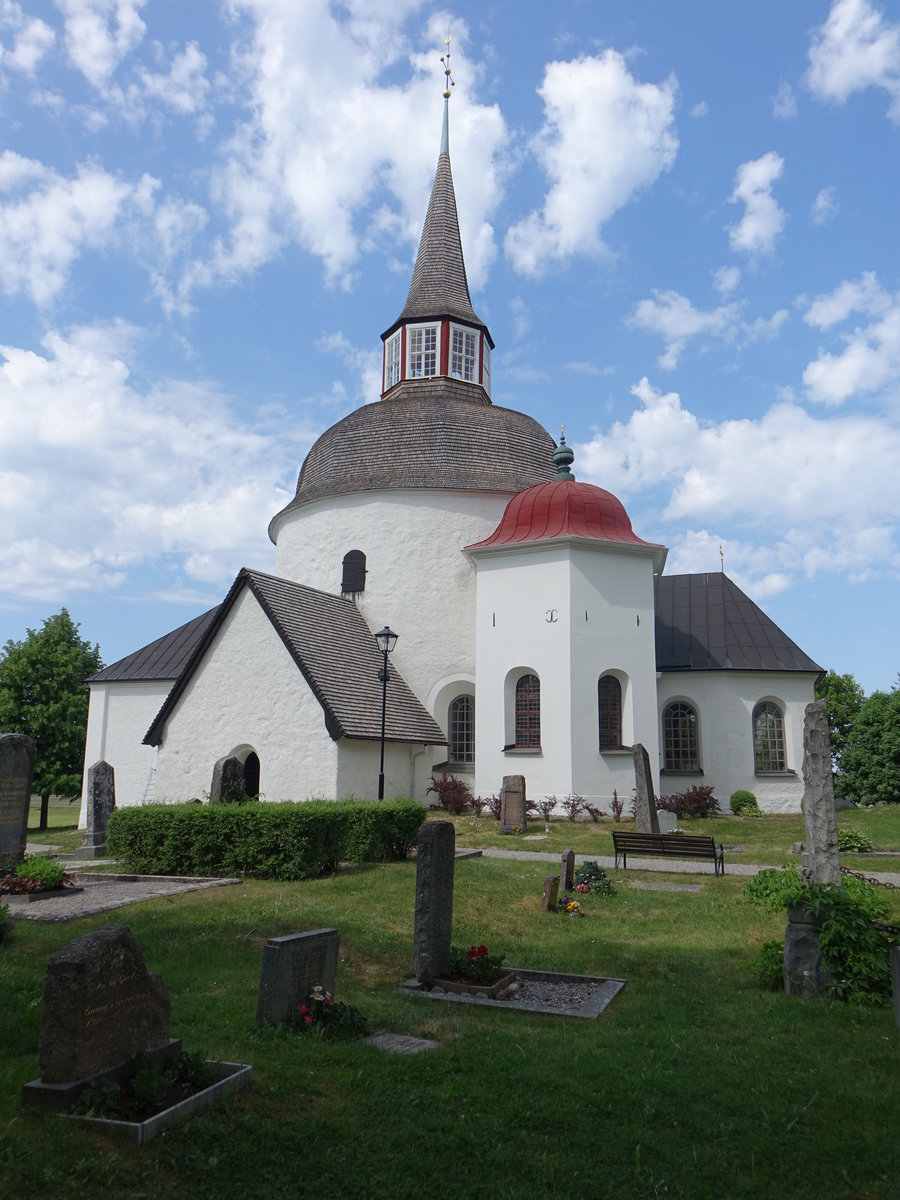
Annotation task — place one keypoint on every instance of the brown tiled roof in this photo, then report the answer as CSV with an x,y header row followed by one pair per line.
x,y
439,285
705,622
165,658
336,653
434,433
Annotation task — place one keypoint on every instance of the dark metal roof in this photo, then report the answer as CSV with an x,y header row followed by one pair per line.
x,y
439,285
165,658
706,623
434,433
336,653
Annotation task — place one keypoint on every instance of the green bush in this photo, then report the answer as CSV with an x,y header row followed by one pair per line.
x,y
856,951
768,965
774,888
591,876
854,839
743,804
268,841
47,871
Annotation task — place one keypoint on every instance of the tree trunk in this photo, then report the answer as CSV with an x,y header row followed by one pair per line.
x,y
45,810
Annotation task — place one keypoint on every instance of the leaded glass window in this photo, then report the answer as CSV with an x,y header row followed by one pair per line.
x,y
528,712
422,342
609,712
461,731
463,354
768,737
392,361
681,751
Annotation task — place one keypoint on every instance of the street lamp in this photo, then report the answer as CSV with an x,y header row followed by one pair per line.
x,y
385,640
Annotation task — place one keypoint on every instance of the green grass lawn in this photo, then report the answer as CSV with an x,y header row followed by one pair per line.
x,y
694,1083
62,824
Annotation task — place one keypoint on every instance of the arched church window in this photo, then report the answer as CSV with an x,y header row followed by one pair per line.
x,y
461,730
768,737
681,749
528,712
609,712
353,577
251,774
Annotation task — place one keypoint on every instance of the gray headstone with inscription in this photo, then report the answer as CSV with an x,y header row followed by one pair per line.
x,y
645,818
16,770
291,967
435,857
567,870
101,792
550,894
513,809
818,796
101,1006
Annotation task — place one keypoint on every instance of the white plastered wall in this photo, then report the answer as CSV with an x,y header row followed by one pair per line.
x,y
118,717
724,701
247,691
417,580
531,618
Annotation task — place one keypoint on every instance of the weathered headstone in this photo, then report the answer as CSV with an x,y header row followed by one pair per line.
x,y
16,770
805,973
512,802
101,795
101,1006
227,785
645,819
292,966
895,978
567,870
550,894
434,899
823,859
666,820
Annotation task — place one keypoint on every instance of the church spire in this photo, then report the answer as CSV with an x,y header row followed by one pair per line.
x,y
438,305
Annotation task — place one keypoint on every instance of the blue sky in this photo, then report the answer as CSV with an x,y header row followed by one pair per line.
x,y
680,223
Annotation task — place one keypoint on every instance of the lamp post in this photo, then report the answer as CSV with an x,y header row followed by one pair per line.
x,y
385,640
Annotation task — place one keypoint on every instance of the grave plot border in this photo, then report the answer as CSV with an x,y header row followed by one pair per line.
x,y
605,992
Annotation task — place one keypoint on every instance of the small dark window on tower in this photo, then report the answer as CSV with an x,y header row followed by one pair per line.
x,y
354,576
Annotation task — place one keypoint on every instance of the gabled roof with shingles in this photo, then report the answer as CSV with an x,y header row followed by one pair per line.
x,y
705,622
163,659
335,652
439,285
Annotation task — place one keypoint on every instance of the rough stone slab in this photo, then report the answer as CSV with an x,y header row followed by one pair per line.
x,y
435,856
16,771
399,1043
667,821
101,793
818,796
666,887
805,973
103,893
101,1006
550,894
604,992
292,965
645,818
513,808
567,870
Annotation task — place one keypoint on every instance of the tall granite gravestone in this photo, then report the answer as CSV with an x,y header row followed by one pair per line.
x,y
512,802
101,790
227,785
567,870
805,973
434,900
645,819
291,967
16,770
823,859
101,1006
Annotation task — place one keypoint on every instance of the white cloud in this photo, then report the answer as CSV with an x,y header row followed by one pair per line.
x,y
100,33
784,103
365,363
675,318
167,472
185,87
44,230
805,494
700,110
863,295
605,138
855,49
870,358
726,279
31,41
763,219
825,206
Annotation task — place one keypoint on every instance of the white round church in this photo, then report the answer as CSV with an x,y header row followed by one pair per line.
x,y
538,633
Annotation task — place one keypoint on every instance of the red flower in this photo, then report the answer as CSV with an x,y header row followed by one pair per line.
x,y
482,951
473,953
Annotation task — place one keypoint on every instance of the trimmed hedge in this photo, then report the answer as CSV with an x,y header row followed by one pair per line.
x,y
268,841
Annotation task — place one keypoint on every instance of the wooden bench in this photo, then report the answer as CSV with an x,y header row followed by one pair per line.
x,y
668,845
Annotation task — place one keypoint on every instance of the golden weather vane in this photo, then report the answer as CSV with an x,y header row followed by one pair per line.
x,y
445,59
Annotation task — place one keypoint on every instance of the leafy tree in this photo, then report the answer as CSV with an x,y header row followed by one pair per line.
x,y
43,694
845,698
870,764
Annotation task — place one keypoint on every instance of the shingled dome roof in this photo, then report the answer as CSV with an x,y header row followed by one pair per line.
x,y
427,434
564,508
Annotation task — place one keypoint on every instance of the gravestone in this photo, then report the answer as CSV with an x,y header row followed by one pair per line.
x,y
16,770
550,894
434,900
101,790
645,819
567,871
227,785
292,966
667,821
895,978
101,1006
823,860
805,973
512,802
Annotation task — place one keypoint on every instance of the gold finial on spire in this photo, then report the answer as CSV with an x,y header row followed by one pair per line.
x,y
445,59
562,433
